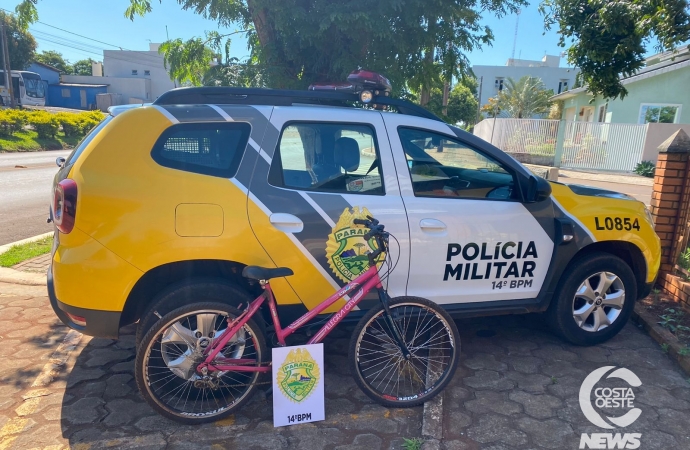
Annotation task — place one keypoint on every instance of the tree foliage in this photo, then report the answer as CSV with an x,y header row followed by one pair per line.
x,y
54,59
296,42
610,38
524,98
462,105
21,44
83,67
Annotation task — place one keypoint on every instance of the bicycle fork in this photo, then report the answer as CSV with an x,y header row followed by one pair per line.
x,y
383,298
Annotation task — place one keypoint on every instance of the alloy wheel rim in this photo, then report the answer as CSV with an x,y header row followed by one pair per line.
x,y
598,301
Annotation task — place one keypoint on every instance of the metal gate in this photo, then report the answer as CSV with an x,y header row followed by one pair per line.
x,y
602,146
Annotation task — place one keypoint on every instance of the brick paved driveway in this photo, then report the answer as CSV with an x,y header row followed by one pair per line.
x,y
517,388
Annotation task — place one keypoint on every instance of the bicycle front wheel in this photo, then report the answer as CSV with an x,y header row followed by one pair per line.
x,y
377,362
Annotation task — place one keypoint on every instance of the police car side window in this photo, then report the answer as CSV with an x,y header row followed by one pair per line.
x,y
327,157
444,167
207,148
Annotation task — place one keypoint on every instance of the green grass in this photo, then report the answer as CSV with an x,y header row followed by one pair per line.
x,y
28,141
19,253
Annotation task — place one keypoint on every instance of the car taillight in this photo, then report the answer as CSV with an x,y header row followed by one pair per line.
x,y
65,205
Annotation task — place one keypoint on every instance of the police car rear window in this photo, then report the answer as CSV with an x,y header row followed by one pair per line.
x,y
207,148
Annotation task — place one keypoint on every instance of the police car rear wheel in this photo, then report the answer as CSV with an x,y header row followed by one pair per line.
x,y
594,300
185,292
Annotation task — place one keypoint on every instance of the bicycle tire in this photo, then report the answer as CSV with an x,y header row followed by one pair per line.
x,y
445,331
153,350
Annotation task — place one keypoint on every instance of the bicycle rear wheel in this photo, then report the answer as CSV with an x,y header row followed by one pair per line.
x,y
167,357
377,362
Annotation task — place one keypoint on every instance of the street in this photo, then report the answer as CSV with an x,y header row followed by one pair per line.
x,y
26,193
24,208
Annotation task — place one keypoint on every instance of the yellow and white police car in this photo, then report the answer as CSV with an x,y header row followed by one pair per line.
x,y
168,202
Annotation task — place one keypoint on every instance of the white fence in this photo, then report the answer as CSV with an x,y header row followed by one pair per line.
x,y
576,145
533,136
603,146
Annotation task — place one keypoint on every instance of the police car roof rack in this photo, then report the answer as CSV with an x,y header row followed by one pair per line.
x,y
279,97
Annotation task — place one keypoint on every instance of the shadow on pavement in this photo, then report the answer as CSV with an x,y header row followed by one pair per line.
x,y
102,408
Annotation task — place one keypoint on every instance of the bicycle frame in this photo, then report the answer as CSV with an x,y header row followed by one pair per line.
x,y
364,283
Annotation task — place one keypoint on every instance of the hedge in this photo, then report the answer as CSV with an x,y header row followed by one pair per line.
x,y
47,124
12,121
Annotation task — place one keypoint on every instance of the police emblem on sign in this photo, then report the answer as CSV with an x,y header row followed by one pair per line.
x,y
298,375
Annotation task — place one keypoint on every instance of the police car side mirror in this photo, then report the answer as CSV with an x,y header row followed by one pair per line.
x,y
538,189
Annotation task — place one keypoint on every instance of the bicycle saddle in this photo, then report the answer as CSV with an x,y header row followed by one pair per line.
x,y
264,273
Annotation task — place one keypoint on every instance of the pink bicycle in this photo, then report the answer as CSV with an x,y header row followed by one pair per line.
x,y
202,361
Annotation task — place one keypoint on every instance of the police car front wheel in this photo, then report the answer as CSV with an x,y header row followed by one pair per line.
x,y
594,300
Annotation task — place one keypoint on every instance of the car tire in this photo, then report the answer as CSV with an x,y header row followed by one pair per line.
x,y
579,312
191,291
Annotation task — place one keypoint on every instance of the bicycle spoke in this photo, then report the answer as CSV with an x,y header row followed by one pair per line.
x,y
173,355
379,357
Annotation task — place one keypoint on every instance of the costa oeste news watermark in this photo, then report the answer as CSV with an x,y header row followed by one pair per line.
x,y
594,407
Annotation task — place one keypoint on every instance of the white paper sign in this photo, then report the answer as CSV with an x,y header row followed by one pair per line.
x,y
298,385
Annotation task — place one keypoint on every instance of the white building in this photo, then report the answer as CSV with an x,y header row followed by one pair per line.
x,y
147,65
492,78
132,76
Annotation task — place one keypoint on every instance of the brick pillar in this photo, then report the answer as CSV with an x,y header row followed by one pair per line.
x,y
671,196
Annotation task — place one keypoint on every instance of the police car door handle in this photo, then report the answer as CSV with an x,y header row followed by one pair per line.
x,y
286,222
432,225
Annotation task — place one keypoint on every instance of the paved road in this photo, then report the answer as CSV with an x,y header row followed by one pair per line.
x,y
516,387
26,193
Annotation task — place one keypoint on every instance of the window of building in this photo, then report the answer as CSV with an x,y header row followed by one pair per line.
x,y
499,84
66,93
328,157
447,168
602,112
147,72
659,113
206,148
135,72
562,86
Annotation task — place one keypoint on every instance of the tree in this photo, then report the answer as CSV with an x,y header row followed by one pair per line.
x,y
462,104
83,67
524,98
21,44
54,59
610,38
359,246
297,42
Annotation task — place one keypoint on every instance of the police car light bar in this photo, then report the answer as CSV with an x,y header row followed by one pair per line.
x,y
365,83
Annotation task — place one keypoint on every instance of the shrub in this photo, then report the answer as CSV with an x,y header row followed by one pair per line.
x,y
90,119
645,168
45,123
11,121
69,123
78,124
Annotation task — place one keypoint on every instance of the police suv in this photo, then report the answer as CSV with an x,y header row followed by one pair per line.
x,y
168,202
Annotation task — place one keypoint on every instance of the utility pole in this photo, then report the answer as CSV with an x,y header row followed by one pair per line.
x,y
6,61
479,99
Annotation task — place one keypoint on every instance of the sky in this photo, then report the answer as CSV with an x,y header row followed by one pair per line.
x,y
104,21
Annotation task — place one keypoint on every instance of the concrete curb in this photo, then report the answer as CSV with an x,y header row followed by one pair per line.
x,y
5,247
649,323
26,278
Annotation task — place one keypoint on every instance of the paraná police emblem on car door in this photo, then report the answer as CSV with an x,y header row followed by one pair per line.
x,y
346,249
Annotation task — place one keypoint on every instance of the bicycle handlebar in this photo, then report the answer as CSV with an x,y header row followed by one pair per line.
x,y
376,231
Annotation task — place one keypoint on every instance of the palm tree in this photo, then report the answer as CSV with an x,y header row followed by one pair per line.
x,y
525,98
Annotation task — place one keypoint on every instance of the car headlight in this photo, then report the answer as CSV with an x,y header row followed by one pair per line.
x,y
648,215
